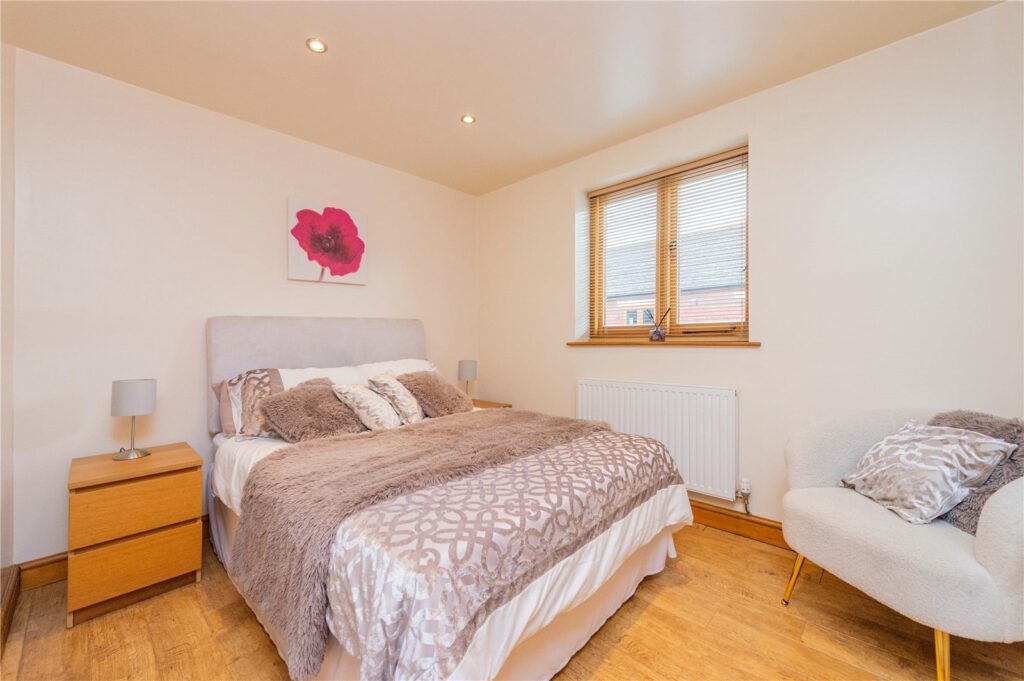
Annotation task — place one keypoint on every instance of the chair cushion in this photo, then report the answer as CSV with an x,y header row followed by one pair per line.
x,y
920,472
927,572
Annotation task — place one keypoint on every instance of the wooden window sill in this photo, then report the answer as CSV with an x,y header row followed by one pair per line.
x,y
671,342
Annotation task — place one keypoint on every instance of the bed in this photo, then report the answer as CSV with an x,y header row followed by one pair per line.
x,y
529,635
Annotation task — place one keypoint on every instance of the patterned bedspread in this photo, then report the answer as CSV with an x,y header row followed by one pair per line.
x,y
413,578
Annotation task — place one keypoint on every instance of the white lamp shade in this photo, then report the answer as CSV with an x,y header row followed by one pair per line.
x,y
133,397
467,369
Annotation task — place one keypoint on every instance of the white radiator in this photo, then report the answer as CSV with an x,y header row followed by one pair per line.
x,y
698,425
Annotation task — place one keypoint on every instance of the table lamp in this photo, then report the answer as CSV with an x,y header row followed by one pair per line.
x,y
467,371
133,397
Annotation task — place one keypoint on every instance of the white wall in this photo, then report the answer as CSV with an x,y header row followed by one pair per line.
x,y
6,304
139,216
885,247
885,254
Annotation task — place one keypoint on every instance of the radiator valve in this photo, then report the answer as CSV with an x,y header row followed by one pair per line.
x,y
744,494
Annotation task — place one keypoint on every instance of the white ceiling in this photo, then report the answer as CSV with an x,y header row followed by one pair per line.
x,y
548,81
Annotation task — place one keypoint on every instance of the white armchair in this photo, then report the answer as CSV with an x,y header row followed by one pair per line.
x,y
934,574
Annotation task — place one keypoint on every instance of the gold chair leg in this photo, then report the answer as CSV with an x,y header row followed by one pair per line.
x,y
797,566
941,656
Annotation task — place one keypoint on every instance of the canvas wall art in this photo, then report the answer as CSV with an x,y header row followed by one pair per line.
x,y
326,243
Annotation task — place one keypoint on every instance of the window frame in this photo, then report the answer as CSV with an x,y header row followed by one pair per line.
x,y
666,265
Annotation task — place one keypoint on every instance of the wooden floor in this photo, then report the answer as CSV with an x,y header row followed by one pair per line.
x,y
714,614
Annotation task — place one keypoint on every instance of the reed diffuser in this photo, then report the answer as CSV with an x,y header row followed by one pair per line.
x,y
657,333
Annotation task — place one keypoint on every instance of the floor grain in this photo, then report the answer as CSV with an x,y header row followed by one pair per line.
x,y
713,615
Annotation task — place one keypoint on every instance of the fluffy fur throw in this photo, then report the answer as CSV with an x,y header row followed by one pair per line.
x,y
295,499
437,396
965,515
309,410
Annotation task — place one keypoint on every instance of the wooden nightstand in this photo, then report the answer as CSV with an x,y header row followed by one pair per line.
x,y
134,528
486,404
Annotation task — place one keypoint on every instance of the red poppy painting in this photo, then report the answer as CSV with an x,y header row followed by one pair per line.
x,y
325,244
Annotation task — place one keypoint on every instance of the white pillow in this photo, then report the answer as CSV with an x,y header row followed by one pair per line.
x,y
397,367
354,375
373,409
399,396
337,375
920,472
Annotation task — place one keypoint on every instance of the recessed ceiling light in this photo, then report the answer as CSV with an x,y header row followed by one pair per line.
x,y
468,119
316,45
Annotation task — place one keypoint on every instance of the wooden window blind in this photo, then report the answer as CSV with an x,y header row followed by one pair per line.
x,y
673,240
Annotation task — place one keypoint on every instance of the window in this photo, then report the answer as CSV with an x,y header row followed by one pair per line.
x,y
672,241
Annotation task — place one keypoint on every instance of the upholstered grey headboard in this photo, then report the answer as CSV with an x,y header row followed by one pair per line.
x,y
237,344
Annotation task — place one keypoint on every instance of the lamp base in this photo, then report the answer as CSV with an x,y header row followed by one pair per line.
x,y
133,453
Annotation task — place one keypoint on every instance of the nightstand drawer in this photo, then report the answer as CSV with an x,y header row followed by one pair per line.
x,y
117,568
115,510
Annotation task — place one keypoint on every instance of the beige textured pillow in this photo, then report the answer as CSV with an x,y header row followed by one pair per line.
x,y
399,396
437,396
373,409
227,421
308,411
920,472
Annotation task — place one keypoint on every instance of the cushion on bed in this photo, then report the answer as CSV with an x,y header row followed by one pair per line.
x,y
256,385
240,398
227,421
240,395
308,411
398,395
437,396
372,408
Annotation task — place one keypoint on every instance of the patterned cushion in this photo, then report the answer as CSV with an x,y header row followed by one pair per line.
x,y
920,472
372,408
244,393
399,396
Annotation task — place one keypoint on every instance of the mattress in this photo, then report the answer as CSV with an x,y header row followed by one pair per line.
x,y
536,632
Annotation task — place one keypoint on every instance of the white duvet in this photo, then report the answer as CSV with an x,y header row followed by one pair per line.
x,y
233,462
